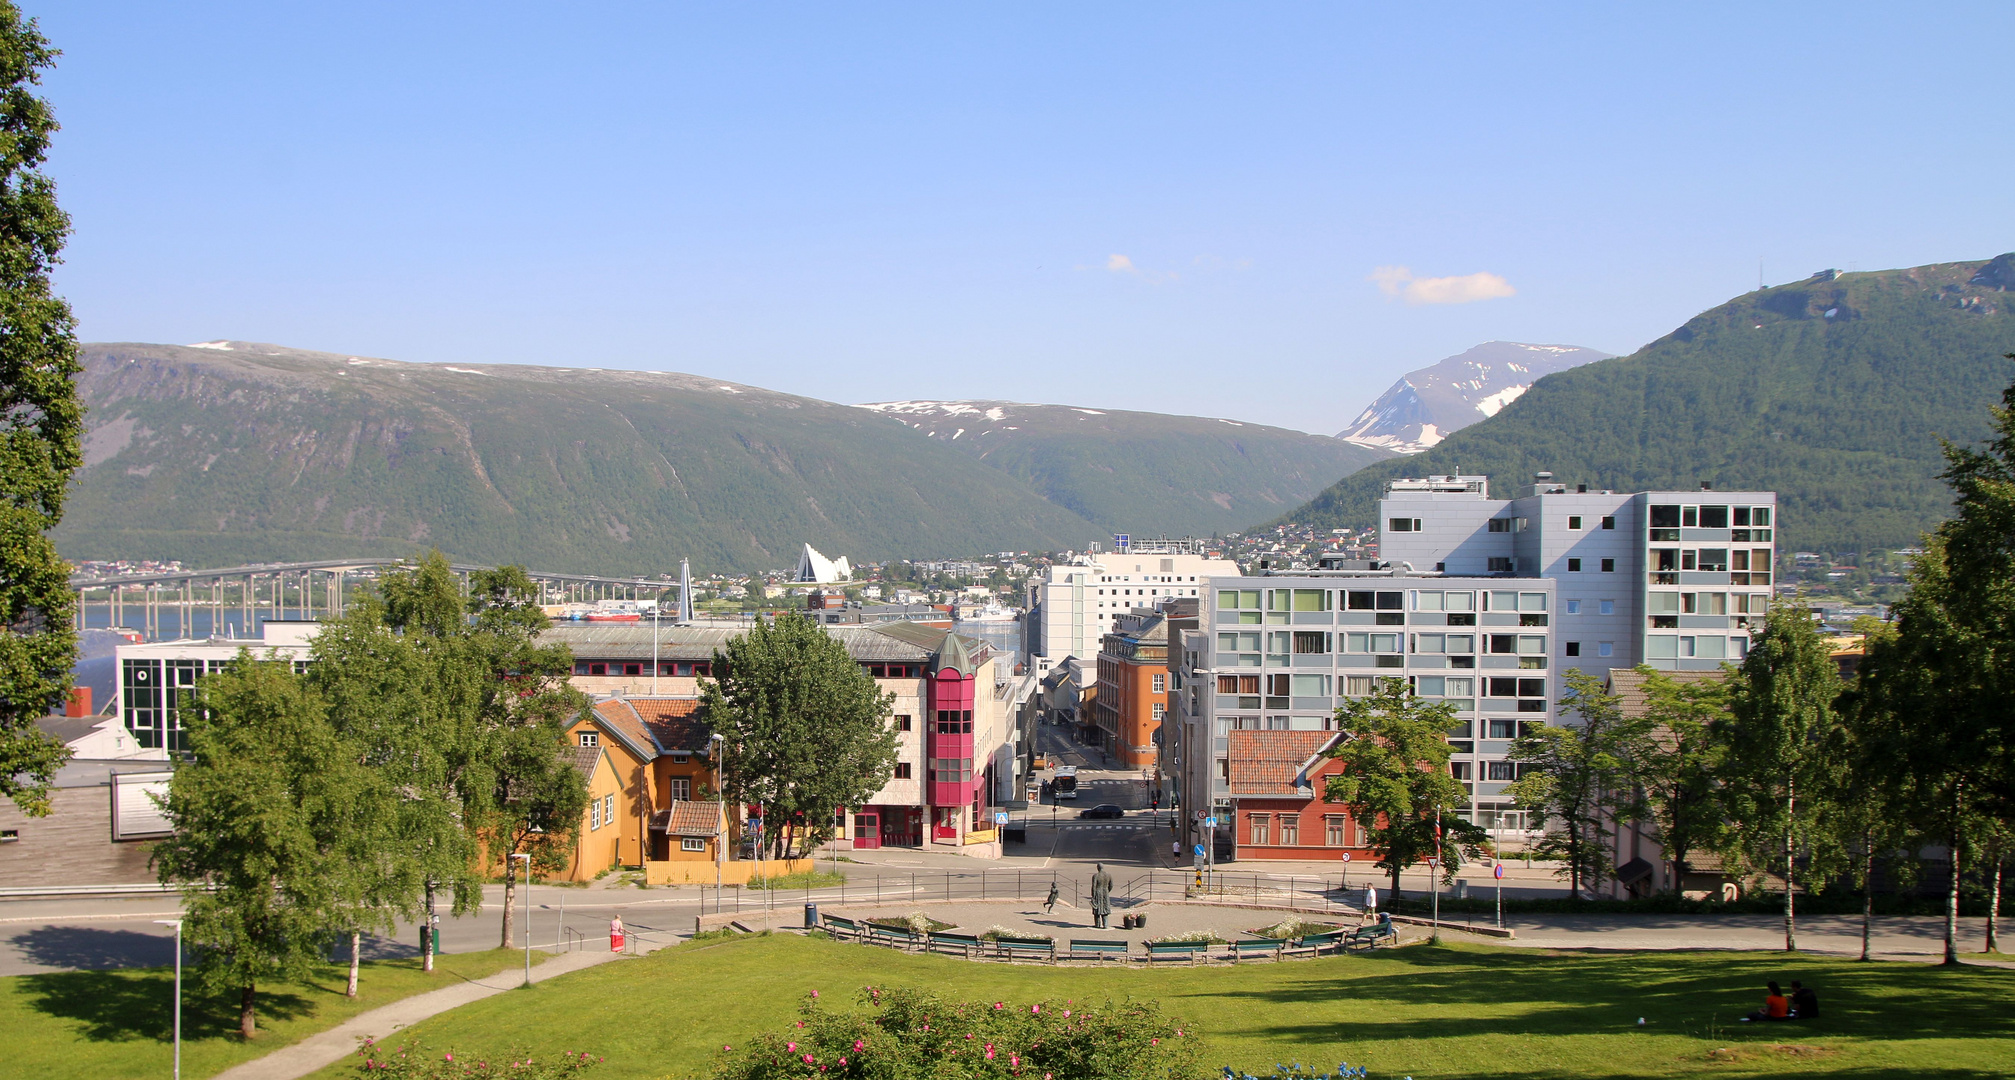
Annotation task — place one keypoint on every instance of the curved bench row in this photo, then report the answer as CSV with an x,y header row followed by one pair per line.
x,y
973,947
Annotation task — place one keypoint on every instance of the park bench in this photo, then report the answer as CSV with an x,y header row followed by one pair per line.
x,y
1317,944
840,929
955,944
1267,947
890,936
1012,949
1094,949
1157,950
1367,937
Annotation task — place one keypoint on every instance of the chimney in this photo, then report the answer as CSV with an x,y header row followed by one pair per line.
x,y
1581,489
79,702
1707,485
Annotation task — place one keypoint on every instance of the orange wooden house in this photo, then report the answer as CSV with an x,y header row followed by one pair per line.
x,y
652,793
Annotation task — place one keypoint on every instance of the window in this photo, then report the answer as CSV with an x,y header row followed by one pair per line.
x,y
1605,648
902,723
1500,565
1606,607
1713,517
692,843
952,770
1574,607
1312,599
955,721
609,809
591,738
680,788
1574,523
1306,642
1500,524
1609,566
1574,566
1502,770
1609,523
1574,648
1358,686
1332,830
594,815
1501,643
1290,830
1714,559
1459,769
1402,525
903,770
1159,683
1311,686
1160,711
1261,827
1504,729
1689,517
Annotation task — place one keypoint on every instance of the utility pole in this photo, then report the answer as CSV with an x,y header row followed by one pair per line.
x,y
177,924
527,856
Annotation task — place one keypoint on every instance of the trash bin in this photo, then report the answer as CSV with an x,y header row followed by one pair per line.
x,y
811,916
1140,921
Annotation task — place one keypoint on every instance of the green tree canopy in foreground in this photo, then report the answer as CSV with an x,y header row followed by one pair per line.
x,y
1396,781
265,813
41,425
806,731
1582,778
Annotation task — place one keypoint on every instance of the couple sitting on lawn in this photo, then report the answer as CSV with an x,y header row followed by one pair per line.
x,y
1802,1004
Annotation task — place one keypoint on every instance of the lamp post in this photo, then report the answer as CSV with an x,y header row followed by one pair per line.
x,y
720,822
177,924
527,856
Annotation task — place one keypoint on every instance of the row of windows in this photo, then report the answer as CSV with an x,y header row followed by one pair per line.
x,y
704,668
1688,647
1709,517
1493,770
1284,600
601,812
1305,685
1335,830
952,770
955,721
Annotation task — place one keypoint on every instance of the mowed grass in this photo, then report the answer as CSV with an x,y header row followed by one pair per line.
x,y
1420,1011
120,1023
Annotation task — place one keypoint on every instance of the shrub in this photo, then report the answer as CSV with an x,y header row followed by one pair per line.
x,y
1188,935
916,922
1297,1071
411,1062
905,1034
1293,926
997,932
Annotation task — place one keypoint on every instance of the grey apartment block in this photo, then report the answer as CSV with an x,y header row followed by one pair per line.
x,y
1673,579
1281,652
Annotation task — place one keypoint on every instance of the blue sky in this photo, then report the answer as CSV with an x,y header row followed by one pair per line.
x,y
1182,208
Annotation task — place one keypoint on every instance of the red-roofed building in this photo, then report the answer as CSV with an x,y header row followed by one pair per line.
x,y
1277,780
661,756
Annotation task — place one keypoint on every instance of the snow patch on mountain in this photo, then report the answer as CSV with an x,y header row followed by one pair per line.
x,y
1428,405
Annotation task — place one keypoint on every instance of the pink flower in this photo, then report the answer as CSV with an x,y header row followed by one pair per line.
x,y
1035,1009
1014,1060
809,1059
791,1046
990,1051
815,993
969,1036
1154,1042
1066,1014
843,1061
449,1056
859,1045
999,1005
725,1046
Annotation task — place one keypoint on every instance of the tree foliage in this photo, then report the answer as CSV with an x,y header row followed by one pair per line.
x,y
1396,781
267,829
41,425
1779,771
1582,779
805,730
1680,767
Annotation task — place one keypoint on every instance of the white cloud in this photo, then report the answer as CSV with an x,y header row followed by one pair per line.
x,y
1120,264
1399,281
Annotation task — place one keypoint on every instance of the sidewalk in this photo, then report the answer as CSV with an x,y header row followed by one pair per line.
x,y
328,1047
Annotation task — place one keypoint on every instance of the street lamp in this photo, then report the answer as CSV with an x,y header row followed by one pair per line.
x,y
720,823
527,856
177,924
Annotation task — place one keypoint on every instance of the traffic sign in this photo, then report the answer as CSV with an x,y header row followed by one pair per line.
x,y
1432,861
1346,856
1199,849
1498,872
1210,823
1000,817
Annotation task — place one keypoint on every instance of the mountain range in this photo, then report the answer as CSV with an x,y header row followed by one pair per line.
x,y
1426,406
1834,391
1144,473
228,452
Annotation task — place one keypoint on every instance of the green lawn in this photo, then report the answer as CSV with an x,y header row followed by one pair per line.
x,y
1421,1011
119,1023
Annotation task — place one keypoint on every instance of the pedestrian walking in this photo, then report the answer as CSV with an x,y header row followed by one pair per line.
x,y
1370,901
1049,905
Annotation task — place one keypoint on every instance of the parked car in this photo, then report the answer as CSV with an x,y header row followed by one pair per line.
x,y
1103,810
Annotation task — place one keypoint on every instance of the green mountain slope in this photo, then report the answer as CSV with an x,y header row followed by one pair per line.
x,y
1144,473
1833,391
241,452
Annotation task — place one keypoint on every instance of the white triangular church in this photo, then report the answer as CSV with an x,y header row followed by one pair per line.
x,y
814,568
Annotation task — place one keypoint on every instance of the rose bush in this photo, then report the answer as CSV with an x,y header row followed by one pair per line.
x,y
906,1034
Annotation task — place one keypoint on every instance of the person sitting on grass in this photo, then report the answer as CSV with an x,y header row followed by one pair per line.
x,y
1804,1001
1775,1005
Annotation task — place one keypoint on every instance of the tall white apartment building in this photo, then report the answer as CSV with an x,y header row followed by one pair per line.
x,y
1673,579
1281,652
1081,601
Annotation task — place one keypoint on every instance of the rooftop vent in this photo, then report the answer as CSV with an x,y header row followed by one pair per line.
x,y
1542,476
1707,485
1581,489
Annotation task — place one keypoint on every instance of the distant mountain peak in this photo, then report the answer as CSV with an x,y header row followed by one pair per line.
x,y
1426,406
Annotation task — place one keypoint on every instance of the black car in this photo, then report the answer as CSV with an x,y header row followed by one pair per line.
x,y
1103,810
